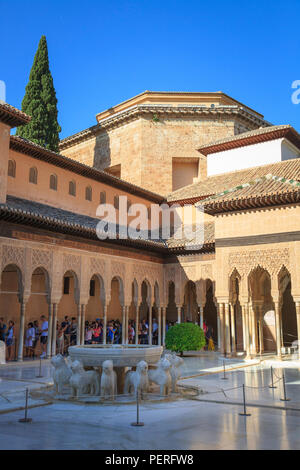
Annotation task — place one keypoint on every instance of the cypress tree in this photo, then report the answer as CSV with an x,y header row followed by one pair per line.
x,y
40,103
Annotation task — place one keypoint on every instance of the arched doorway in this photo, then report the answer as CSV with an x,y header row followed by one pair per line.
x,y
10,305
261,314
145,316
171,313
116,311
190,305
67,311
38,305
287,308
210,311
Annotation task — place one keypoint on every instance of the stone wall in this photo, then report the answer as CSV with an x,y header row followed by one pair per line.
x,y
145,147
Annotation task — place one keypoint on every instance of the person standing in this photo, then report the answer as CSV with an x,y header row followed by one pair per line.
x,y
44,336
29,338
9,340
73,331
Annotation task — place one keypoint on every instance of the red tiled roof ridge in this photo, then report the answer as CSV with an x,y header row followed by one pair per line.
x,y
12,116
243,172
262,134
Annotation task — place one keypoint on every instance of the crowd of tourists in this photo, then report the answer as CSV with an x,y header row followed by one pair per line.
x,y
66,334
36,333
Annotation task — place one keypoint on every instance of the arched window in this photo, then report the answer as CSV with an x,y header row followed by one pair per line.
x,y
103,197
88,193
33,174
53,182
72,188
11,168
116,202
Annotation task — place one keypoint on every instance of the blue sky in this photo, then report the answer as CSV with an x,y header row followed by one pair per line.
x,y
103,52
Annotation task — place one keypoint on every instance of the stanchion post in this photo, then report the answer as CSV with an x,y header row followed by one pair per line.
x,y
40,370
244,400
284,390
224,378
26,419
272,380
138,422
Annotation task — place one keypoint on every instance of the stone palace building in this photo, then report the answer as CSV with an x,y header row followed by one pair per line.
x,y
192,149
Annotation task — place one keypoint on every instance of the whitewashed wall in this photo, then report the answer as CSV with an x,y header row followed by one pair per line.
x,y
250,156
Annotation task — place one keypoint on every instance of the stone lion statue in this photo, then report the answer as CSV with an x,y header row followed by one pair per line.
x,y
61,374
108,384
84,381
138,379
175,370
161,376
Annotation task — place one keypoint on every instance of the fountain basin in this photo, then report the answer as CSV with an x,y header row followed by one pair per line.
x,y
122,355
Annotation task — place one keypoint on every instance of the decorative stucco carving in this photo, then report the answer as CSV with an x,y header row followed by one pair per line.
x,y
13,255
97,266
118,270
71,263
271,260
41,258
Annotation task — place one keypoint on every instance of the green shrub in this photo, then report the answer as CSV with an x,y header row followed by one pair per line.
x,y
185,337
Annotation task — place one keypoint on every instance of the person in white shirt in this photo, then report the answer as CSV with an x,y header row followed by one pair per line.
x,y
29,339
44,335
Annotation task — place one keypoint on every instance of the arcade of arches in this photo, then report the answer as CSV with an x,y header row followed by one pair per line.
x,y
260,313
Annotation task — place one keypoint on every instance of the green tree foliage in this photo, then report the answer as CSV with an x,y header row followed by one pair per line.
x,y
185,337
40,103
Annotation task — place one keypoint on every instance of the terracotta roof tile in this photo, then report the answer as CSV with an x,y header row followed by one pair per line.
x,y
12,116
289,169
251,137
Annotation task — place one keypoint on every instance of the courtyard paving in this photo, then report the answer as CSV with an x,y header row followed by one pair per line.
x,y
209,420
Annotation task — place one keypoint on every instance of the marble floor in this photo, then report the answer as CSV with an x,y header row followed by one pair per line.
x,y
185,425
182,424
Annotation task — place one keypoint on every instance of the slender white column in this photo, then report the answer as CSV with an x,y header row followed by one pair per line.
x,y
83,309
159,326
219,327
222,329
164,321
50,322
233,340
104,323
123,324
21,331
201,315
150,325
178,314
54,321
126,324
78,324
227,330
278,330
137,325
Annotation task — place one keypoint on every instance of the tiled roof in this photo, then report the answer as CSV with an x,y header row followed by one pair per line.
x,y
208,238
289,169
48,217
35,214
30,148
252,137
12,116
